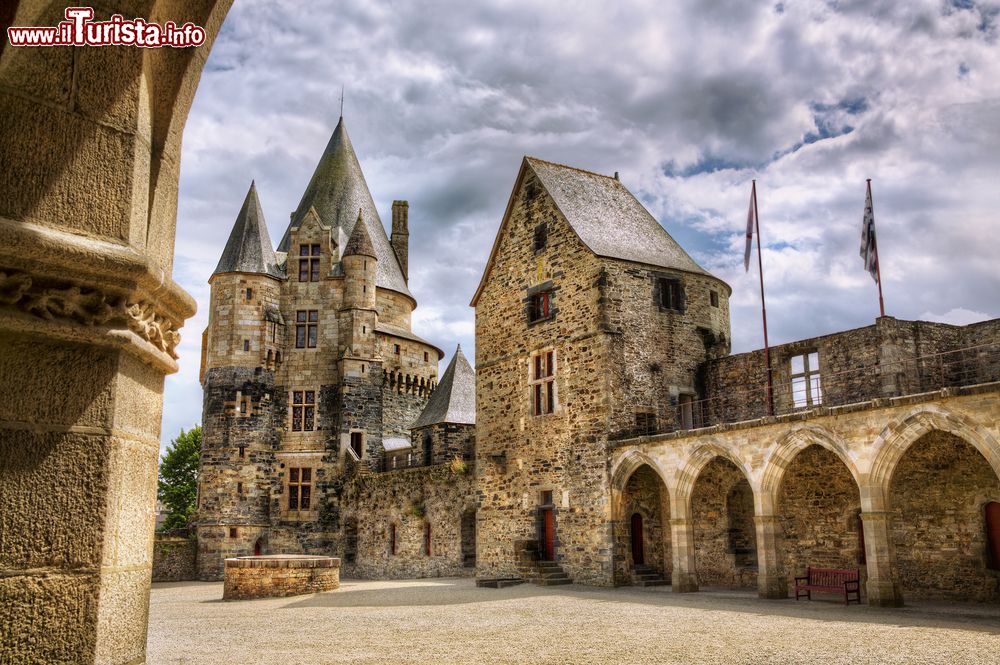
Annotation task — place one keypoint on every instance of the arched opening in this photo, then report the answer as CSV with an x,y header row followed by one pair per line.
x,y
725,535
468,535
351,541
992,514
643,530
819,510
936,498
258,547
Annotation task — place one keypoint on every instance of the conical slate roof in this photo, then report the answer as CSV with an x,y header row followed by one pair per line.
x,y
249,246
360,242
337,190
454,399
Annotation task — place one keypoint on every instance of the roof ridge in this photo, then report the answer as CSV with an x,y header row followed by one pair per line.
x,y
571,168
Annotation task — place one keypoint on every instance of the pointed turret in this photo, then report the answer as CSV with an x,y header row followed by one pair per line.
x,y
360,243
454,399
337,190
249,246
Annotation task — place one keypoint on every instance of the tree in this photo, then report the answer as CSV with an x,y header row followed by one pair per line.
x,y
177,486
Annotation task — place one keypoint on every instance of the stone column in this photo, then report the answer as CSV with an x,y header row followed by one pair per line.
x,y
684,578
771,580
883,589
89,319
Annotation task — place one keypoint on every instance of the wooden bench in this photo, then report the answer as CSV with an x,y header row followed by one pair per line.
x,y
829,580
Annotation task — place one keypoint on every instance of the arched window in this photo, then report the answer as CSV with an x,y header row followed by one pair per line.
x,y
993,534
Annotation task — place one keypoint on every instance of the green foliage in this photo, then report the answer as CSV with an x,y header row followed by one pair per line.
x,y
177,486
417,509
458,466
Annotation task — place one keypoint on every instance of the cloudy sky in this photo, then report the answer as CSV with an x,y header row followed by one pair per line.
x,y
689,101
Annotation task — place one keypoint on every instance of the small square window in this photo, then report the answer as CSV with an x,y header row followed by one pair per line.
x,y
234,532
713,298
246,345
670,294
427,357
546,498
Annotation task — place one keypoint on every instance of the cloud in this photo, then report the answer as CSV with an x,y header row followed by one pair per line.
x,y
688,100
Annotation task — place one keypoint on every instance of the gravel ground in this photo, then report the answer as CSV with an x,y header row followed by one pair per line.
x,y
451,621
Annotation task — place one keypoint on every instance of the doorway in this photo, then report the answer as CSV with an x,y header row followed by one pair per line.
x,y
638,551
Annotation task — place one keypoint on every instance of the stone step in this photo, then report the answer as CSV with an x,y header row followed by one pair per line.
x,y
557,582
659,582
554,576
647,576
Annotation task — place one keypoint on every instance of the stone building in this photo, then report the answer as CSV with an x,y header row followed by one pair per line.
x,y
619,442
312,374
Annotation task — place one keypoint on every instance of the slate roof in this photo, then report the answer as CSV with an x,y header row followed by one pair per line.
x,y
337,190
360,242
249,246
454,399
609,219
396,331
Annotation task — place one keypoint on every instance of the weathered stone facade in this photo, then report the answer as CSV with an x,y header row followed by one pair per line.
x,y
650,424
247,578
309,369
175,559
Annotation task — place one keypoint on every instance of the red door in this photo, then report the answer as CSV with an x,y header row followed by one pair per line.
x,y
548,535
258,548
638,552
993,533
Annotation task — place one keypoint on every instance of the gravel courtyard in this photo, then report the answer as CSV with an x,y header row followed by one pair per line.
x,y
451,621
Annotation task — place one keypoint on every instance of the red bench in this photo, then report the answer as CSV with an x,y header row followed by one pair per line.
x,y
829,580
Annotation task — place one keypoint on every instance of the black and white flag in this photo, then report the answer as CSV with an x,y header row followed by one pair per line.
x,y
869,251
750,224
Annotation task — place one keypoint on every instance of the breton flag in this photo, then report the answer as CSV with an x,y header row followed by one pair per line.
x,y
869,250
751,218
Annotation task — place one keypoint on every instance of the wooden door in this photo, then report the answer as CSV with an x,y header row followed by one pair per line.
x,y
258,547
638,551
548,535
993,533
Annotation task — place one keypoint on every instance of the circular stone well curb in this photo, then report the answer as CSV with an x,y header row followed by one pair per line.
x,y
278,575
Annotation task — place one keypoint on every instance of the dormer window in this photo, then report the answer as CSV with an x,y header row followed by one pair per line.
x,y
309,263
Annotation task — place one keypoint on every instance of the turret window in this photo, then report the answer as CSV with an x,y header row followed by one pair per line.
x,y
670,294
309,263
543,386
303,410
249,294
306,328
299,488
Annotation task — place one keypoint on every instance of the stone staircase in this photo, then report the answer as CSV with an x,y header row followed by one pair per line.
x,y
532,568
643,575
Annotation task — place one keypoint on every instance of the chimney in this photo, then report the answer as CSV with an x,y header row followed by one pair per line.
x,y
401,235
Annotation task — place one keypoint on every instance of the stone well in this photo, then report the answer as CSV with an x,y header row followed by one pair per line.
x,y
279,575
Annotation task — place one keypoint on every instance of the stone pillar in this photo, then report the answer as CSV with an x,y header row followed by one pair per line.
x,y
89,319
883,589
771,579
684,578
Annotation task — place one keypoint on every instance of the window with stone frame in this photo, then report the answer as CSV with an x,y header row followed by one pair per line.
x,y
299,488
807,390
306,328
713,298
309,263
303,410
234,532
249,294
670,294
540,306
543,383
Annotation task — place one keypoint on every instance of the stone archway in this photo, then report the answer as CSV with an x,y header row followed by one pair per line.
x,y
90,141
645,496
722,516
936,502
819,513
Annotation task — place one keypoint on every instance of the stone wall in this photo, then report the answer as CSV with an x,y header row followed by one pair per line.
x,y
724,532
174,559
819,510
408,500
937,499
279,576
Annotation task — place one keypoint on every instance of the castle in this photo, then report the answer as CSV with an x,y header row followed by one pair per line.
x,y
607,435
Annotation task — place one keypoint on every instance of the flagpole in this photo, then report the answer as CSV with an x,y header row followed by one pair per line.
x,y
878,264
763,307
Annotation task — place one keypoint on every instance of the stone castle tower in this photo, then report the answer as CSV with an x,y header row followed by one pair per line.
x,y
309,364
